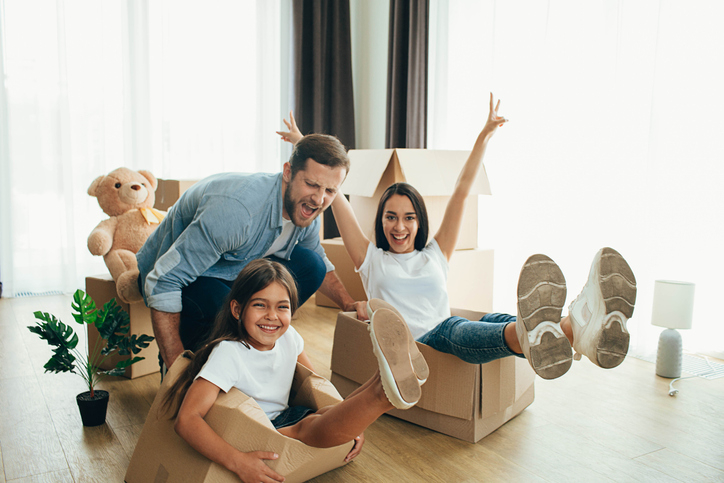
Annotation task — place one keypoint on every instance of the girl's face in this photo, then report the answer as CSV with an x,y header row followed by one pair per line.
x,y
399,224
267,316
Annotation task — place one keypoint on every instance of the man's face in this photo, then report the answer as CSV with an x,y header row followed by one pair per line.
x,y
310,192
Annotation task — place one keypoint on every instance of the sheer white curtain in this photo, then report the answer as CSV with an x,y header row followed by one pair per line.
x,y
614,140
184,89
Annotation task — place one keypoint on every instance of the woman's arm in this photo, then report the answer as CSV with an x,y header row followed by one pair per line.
x,y
192,427
353,237
447,234
294,134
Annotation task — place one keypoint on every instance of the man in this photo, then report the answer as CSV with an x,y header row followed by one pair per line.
x,y
223,222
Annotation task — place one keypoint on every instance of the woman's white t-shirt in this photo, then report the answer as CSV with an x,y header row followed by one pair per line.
x,y
414,283
264,375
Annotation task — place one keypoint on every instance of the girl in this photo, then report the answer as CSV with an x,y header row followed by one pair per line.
x,y
402,268
254,348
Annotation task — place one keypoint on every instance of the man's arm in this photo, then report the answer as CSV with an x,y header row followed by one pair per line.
x,y
166,330
333,288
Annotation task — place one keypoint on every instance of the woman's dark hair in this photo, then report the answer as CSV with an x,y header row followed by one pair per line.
x,y
418,204
322,148
256,276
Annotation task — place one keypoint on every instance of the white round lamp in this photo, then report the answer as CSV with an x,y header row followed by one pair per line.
x,y
673,309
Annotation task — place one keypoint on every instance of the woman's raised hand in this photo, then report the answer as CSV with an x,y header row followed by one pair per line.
x,y
294,134
494,120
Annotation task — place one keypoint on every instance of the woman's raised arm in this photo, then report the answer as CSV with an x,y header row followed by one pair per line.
x,y
353,237
447,234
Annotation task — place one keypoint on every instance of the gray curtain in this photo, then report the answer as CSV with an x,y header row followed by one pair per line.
x,y
407,74
322,65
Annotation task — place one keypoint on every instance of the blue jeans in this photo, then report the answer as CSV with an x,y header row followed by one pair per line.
x,y
202,299
473,341
291,416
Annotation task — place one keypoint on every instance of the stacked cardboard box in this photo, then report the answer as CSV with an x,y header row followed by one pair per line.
x,y
163,456
169,191
102,289
466,401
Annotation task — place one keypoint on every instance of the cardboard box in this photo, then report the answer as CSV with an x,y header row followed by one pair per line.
x,y
470,280
170,190
466,401
102,289
433,173
162,456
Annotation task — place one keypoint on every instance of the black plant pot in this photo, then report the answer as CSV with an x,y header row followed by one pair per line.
x,y
93,409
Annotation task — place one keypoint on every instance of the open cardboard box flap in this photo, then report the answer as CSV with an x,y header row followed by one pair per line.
x,y
163,456
431,172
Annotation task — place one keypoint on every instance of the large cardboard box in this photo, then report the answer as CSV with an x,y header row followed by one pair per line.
x,y
102,289
433,173
470,280
467,401
162,456
169,191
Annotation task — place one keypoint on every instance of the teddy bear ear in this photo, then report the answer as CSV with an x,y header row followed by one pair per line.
x,y
93,188
150,177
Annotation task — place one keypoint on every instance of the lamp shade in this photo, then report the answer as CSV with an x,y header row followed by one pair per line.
x,y
673,304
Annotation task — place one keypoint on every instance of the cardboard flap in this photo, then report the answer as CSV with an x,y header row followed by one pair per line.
x,y
435,172
366,169
312,390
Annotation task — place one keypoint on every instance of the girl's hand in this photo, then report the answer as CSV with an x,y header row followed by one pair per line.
x,y
251,468
494,120
359,441
294,134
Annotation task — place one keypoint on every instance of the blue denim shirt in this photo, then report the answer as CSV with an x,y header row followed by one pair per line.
x,y
217,226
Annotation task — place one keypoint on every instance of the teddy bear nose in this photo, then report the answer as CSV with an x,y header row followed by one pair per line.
x,y
135,187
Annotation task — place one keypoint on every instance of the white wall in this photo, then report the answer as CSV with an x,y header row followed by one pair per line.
x,y
369,19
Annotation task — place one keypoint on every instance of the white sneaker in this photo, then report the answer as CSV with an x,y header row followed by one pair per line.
x,y
541,296
390,343
599,313
419,364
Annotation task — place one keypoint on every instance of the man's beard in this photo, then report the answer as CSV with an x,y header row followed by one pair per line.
x,y
290,206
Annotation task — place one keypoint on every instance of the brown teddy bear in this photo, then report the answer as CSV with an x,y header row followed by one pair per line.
x,y
126,196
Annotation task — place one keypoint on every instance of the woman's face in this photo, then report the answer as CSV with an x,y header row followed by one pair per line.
x,y
267,316
399,224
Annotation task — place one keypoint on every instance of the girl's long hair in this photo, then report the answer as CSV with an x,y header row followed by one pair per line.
x,y
256,276
418,204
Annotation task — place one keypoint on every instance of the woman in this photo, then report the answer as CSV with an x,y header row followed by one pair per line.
x,y
409,273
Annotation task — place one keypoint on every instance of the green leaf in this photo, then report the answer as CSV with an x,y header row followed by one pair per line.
x,y
128,362
58,335
85,307
116,324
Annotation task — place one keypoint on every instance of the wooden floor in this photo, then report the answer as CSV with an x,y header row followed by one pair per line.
x,y
590,425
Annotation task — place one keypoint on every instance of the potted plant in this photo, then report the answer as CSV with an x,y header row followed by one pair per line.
x,y
113,325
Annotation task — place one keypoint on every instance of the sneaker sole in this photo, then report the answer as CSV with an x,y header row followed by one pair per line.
x,y
390,341
541,297
618,289
419,364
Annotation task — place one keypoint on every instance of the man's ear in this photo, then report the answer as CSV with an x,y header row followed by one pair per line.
x,y
287,172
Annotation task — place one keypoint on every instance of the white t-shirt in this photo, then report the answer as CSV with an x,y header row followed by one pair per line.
x,y
414,283
264,375
282,240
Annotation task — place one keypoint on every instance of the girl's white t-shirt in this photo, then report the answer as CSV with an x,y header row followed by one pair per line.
x,y
264,375
414,283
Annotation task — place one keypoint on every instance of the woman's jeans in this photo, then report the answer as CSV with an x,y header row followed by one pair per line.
x,y
202,299
473,341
